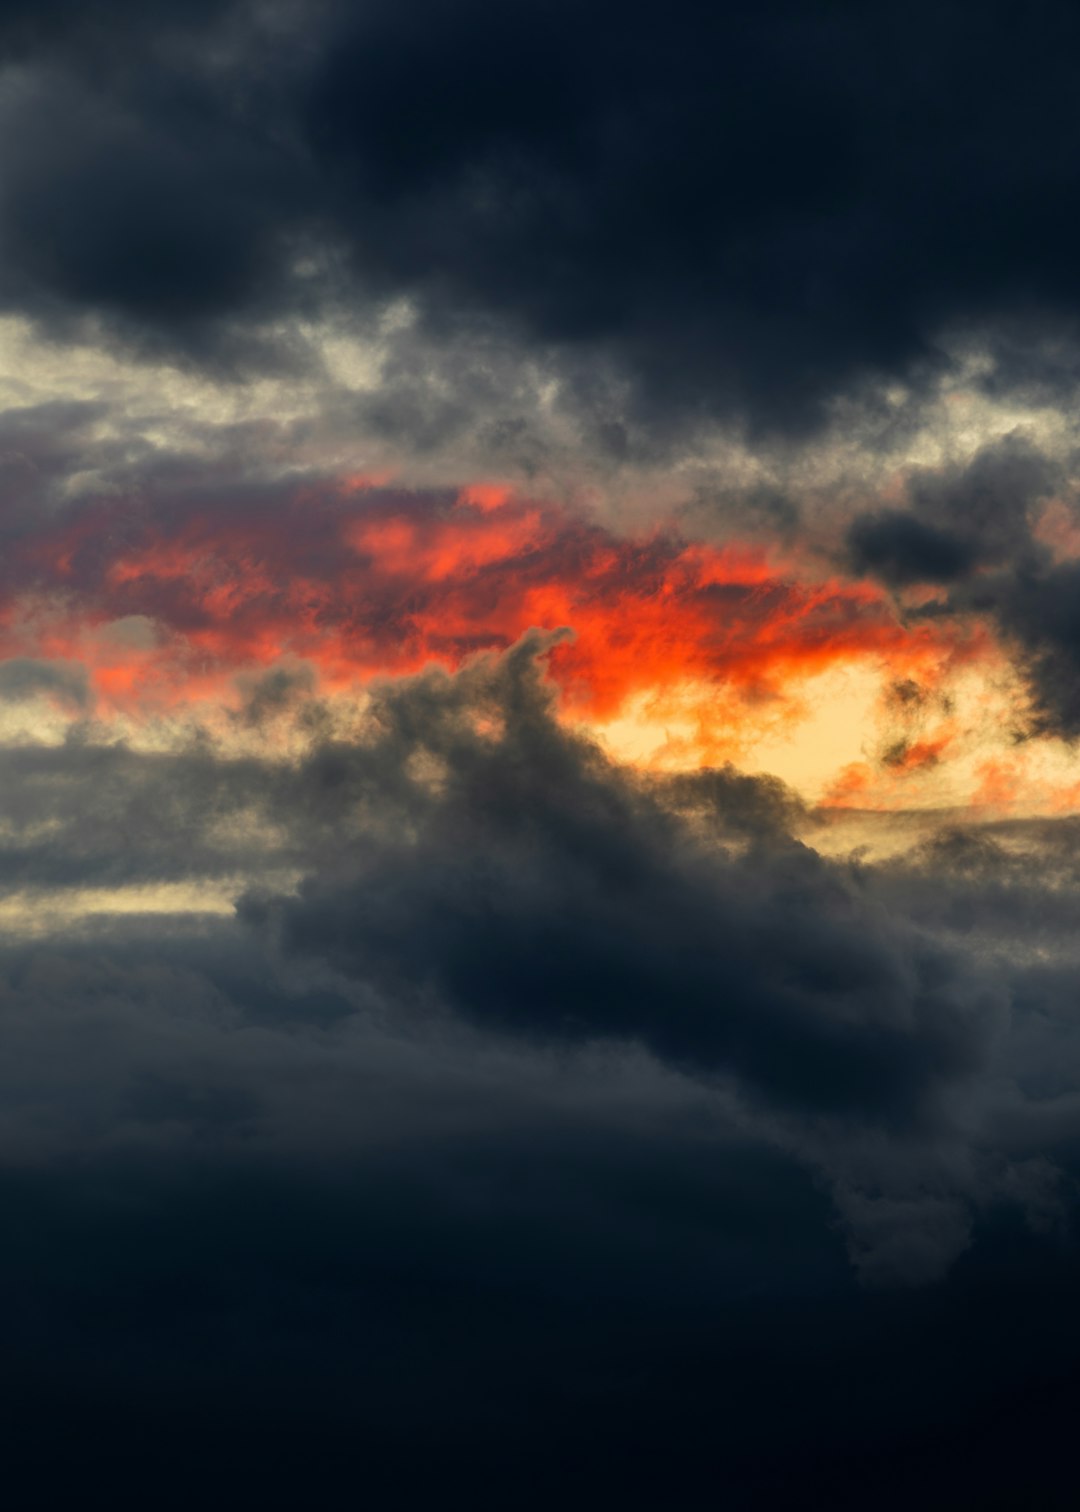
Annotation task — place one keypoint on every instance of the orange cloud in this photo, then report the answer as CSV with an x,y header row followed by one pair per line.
x,y
363,580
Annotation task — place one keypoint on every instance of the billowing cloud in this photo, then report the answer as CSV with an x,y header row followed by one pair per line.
x,y
744,215
463,853
992,533
543,896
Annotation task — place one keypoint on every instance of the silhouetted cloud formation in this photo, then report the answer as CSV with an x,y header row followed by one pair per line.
x,y
463,859
544,896
552,1087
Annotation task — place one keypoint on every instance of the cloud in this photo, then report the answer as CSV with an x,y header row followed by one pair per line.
x,y
901,549
960,517
542,896
1036,608
459,856
976,530
549,1087
23,677
356,580
397,1089
681,245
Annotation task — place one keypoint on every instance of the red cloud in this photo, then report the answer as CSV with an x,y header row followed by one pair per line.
x,y
365,582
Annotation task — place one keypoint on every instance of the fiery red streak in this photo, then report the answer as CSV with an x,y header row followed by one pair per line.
x,y
373,582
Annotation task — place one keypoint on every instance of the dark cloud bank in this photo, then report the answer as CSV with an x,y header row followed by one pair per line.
x,y
564,1133
741,209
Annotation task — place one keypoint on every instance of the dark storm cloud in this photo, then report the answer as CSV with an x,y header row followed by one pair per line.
x,y
1007,889
900,549
972,529
306,1355
114,211
28,23
1038,610
958,518
469,863
537,892
464,853
1035,606
745,205
566,1149
737,208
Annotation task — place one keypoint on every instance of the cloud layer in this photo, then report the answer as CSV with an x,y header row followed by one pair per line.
x,y
450,457
744,211
546,1068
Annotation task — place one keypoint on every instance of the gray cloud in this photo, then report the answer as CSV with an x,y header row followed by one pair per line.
x,y
959,518
549,1070
678,245
971,529
24,677
539,893
534,1130
467,862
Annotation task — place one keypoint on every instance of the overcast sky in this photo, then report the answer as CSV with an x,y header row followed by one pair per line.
x,y
539,796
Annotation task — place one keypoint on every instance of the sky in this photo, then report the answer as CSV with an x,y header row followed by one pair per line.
x,y
539,786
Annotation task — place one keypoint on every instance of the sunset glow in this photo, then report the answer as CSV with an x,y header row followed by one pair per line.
x,y
680,653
